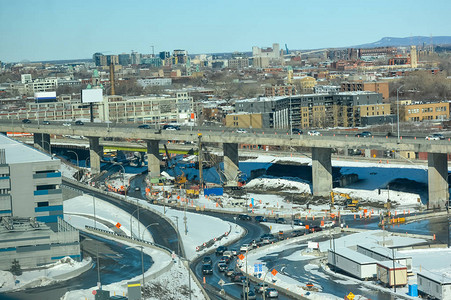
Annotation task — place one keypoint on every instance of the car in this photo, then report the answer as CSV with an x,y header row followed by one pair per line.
x,y
206,260
314,228
137,188
67,124
249,295
244,248
228,253
78,122
144,126
297,222
328,224
171,127
234,251
237,277
296,232
364,134
225,259
435,137
45,122
222,267
281,221
261,287
296,131
260,219
230,271
244,217
271,293
220,250
26,121
313,132
241,131
207,269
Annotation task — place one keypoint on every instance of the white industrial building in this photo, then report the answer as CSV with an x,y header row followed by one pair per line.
x,y
352,263
434,285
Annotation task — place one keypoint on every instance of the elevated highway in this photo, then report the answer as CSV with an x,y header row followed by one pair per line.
x,y
321,148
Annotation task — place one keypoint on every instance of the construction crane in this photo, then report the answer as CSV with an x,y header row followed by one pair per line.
x,y
350,203
286,48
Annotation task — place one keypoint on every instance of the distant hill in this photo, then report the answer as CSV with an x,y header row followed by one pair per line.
x,y
407,41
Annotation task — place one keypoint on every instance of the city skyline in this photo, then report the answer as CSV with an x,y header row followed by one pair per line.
x,y
53,30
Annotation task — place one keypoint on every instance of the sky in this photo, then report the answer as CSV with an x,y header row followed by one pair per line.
x,y
53,29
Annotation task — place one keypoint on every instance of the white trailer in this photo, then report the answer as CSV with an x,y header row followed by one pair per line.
x,y
381,253
352,263
434,285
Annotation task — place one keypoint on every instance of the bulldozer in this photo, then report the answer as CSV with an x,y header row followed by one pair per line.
x,y
350,203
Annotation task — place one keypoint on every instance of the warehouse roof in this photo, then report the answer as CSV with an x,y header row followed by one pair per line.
x,y
354,256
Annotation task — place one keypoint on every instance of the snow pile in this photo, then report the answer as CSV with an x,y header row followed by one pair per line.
x,y
41,277
279,184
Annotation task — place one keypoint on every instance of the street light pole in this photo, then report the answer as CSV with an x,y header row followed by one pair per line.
x,y
75,155
131,224
397,106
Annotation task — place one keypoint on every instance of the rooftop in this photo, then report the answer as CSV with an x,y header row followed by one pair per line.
x,y
17,152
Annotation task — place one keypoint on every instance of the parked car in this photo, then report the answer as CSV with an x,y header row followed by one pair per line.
x,y
240,131
281,221
313,132
220,250
296,131
260,219
144,126
249,295
435,137
297,222
45,122
67,124
26,121
271,293
364,134
207,269
261,287
207,260
222,267
244,217
78,122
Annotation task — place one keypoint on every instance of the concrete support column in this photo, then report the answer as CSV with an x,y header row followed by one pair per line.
x,y
231,161
321,171
437,180
153,158
95,154
368,153
42,140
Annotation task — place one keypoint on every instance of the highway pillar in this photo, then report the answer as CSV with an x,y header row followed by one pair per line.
x,y
95,154
153,158
231,161
42,140
321,171
437,180
368,153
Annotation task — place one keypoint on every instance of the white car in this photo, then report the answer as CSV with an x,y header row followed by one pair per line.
x,y
244,248
240,131
67,124
435,137
313,132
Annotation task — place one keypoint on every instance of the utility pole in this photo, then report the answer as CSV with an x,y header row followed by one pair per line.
x,y
200,163
394,269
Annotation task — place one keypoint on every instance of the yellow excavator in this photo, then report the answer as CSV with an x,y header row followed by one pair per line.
x,y
350,203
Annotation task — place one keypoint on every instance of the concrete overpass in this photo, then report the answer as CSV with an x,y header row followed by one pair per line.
x,y
321,149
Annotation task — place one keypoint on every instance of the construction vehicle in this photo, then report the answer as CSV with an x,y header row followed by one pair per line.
x,y
349,202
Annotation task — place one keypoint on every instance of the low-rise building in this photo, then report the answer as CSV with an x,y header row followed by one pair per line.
x,y
434,285
369,86
421,111
391,274
352,262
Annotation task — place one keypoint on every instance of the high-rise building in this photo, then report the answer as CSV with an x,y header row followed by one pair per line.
x,y
124,59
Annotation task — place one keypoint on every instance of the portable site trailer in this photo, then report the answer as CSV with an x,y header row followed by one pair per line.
x,y
352,262
391,276
434,285
381,253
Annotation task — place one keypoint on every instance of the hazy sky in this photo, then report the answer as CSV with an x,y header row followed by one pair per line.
x,y
64,29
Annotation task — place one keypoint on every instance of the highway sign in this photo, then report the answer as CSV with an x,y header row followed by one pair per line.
x,y
274,272
350,296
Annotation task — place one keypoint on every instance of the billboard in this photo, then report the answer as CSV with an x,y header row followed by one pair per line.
x,y
45,97
91,96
